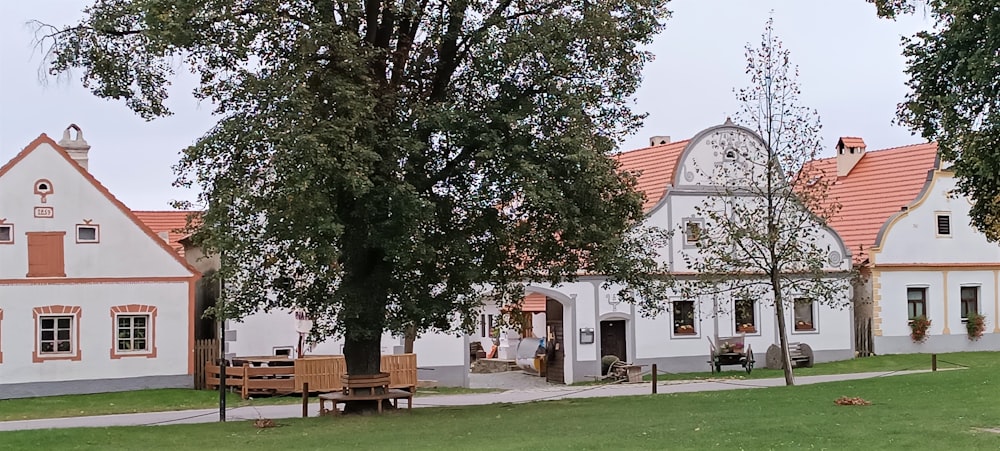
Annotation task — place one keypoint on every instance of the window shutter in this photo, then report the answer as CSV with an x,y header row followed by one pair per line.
x,y
944,225
45,254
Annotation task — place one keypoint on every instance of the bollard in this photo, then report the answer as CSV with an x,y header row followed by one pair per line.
x,y
305,400
654,378
933,362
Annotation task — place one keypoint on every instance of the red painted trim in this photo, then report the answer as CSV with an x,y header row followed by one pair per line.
x,y
151,326
86,280
57,310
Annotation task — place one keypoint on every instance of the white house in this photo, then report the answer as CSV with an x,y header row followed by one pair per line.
x,y
91,300
583,318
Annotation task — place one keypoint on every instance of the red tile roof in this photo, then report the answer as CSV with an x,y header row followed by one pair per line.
x,y
172,222
851,141
880,184
656,166
534,302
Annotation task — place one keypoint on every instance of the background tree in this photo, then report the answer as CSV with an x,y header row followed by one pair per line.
x,y
377,163
763,232
954,95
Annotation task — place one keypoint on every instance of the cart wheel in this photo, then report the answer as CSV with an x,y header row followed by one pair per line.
x,y
718,367
749,364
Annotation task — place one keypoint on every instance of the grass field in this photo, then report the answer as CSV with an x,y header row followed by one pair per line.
x,y
942,410
152,401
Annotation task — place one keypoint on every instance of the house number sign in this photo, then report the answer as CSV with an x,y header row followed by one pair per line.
x,y
45,212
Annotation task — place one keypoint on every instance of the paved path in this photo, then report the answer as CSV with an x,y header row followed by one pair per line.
x,y
511,396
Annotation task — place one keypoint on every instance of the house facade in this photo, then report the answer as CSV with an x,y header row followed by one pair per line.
x,y
91,300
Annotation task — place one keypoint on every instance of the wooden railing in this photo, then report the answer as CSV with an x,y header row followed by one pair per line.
x,y
322,373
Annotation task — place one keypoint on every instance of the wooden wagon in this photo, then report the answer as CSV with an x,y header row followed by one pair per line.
x,y
730,351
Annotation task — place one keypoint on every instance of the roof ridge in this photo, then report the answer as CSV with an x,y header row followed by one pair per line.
x,y
651,147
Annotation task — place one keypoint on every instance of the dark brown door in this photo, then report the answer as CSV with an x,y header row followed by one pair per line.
x,y
613,339
554,345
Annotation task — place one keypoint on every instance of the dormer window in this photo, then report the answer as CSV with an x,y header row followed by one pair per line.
x,y
88,233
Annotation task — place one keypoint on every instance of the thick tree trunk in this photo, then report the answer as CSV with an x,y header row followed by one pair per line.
x,y
365,276
408,338
779,311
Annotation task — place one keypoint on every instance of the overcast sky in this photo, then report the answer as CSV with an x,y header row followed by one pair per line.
x,y
851,71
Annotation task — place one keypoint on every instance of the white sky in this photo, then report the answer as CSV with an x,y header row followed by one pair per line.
x,y
850,63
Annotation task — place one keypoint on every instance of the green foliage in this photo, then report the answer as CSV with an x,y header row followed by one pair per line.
x,y
378,163
954,98
975,324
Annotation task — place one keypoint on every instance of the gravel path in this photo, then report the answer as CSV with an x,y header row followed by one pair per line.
x,y
508,380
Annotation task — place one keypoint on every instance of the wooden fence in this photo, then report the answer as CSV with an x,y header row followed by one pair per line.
x,y
206,351
322,373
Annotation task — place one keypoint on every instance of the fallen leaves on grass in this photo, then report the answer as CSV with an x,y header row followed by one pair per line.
x,y
263,423
846,401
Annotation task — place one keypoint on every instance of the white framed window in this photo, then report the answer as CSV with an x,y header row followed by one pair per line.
x,y
132,333
6,233
745,316
943,223
916,302
804,315
56,335
684,318
693,230
283,350
88,233
969,298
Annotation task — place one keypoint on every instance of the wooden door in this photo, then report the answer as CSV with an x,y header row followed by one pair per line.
x,y
613,339
554,344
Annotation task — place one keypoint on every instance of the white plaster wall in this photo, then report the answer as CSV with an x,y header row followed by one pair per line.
x,y
912,237
17,331
892,300
124,249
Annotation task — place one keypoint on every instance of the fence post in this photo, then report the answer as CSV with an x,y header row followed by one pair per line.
x,y
654,378
305,400
933,362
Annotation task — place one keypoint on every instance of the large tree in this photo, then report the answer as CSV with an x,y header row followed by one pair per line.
x,y
378,163
954,97
763,237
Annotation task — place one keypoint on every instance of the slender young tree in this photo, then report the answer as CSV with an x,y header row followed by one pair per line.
x,y
763,236
377,163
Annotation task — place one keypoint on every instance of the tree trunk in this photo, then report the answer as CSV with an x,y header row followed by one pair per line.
x,y
408,338
363,318
779,311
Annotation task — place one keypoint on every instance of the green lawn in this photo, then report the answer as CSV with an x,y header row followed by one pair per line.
x,y
154,401
942,410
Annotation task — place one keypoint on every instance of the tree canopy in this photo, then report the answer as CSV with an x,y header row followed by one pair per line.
x,y
954,97
379,163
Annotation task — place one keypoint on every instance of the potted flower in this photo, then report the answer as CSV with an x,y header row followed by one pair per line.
x,y
918,328
803,325
746,328
975,325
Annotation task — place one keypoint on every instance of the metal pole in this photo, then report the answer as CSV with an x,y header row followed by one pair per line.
x,y
654,378
933,362
305,400
222,370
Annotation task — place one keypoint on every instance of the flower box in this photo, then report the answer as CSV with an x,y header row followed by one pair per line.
x,y
684,329
802,325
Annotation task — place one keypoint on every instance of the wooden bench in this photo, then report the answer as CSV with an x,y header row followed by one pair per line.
x,y
373,387
801,355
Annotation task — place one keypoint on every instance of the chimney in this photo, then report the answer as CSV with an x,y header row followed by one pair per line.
x,y
77,148
849,152
659,140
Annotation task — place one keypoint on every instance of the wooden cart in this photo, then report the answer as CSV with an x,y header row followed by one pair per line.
x,y
730,351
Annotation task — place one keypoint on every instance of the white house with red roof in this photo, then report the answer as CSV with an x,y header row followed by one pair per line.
x,y
91,300
910,232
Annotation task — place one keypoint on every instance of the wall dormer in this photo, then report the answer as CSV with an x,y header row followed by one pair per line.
x,y
850,150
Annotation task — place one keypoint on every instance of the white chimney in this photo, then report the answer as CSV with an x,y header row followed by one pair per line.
x,y
77,148
659,140
850,150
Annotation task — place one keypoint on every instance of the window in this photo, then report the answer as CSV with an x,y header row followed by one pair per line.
x,y
45,254
745,316
6,234
916,303
283,351
970,302
804,309
943,224
134,331
87,233
684,318
57,333
692,231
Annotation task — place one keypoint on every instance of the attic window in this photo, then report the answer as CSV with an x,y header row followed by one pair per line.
x,y
88,233
730,154
943,224
6,234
